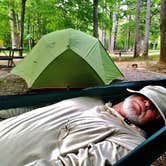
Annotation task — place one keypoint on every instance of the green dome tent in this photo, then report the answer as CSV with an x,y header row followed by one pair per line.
x,y
67,58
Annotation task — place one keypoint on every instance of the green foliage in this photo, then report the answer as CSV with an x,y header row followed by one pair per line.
x,y
4,23
47,16
44,16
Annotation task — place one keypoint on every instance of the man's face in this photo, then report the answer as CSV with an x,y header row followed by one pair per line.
x,y
139,110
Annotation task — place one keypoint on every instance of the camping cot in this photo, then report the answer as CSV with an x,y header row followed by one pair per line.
x,y
142,155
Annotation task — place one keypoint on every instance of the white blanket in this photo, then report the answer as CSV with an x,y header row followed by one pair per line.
x,y
79,131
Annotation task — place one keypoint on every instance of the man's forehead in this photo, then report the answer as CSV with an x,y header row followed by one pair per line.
x,y
142,97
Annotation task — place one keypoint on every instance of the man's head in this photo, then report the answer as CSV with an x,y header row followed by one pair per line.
x,y
157,97
140,110
146,108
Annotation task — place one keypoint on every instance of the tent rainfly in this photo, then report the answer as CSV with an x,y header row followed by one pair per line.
x,y
67,58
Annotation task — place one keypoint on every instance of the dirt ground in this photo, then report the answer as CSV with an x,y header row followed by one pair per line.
x,y
135,71
132,71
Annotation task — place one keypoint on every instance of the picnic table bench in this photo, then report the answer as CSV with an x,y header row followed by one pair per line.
x,y
119,52
10,55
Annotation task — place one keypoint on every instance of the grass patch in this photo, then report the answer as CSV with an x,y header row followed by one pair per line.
x,y
153,56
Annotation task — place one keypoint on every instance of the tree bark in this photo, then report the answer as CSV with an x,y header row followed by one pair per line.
x,y
95,18
128,35
102,36
14,29
113,33
23,2
147,28
102,31
137,26
162,58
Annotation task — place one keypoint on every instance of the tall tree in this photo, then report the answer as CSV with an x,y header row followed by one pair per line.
x,y
154,36
113,32
102,22
162,58
128,35
23,2
137,27
147,28
95,18
114,16
13,18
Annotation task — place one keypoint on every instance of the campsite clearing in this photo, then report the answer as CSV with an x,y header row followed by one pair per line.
x,y
11,84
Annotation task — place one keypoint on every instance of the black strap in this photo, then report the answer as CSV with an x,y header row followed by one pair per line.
x,y
127,121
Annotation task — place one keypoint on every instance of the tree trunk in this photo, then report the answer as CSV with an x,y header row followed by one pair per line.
x,y
154,46
14,29
102,31
128,35
113,33
23,2
162,58
147,28
95,18
137,26
102,36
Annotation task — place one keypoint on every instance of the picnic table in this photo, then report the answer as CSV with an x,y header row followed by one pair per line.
x,y
9,54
